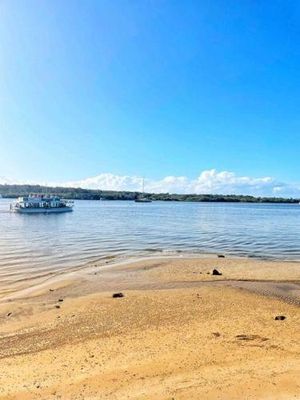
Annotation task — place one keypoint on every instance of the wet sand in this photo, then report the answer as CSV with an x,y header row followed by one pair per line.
x,y
179,332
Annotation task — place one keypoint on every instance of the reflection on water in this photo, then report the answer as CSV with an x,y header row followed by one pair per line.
x,y
33,245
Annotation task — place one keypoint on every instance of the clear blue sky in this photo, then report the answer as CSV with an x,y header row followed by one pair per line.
x,y
150,88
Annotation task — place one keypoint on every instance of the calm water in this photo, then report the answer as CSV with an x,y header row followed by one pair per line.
x,y
36,245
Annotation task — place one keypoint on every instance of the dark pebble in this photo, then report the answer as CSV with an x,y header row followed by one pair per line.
x,y
221,256
9,314
60,300
280,318
116,295
216,272
57,306
51,290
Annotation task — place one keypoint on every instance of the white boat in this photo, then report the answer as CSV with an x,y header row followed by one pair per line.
x,y
41,204
142,198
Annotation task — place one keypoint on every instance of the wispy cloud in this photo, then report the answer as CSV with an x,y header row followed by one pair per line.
x,y
208,181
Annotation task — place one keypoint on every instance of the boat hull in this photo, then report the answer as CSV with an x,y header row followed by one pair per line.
x,y
143,201
42,210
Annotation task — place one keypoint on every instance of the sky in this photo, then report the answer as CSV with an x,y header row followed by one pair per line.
x,y
196,95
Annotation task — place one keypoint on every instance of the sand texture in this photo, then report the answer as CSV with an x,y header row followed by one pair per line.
x,y
179,332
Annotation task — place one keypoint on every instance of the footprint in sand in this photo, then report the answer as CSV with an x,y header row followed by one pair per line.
x,y
251,337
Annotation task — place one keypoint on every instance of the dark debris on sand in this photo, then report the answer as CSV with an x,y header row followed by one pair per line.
x,y
280,317
216,272
117,295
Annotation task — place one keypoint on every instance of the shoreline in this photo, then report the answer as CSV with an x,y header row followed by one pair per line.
x,y
179,332
31,284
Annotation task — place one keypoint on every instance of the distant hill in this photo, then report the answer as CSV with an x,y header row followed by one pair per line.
x,y
13,191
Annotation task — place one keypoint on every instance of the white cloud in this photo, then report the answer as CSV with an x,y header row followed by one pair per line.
x,y
5,181
209,181
108,181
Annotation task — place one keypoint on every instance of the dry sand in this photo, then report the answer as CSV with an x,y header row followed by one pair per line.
x,y
179,332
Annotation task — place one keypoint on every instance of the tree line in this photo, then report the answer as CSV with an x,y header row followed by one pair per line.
x,y
13,191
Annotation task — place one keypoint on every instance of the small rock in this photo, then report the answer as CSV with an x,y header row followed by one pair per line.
x,y
57,306
51,290
60,300
9,314
116,295
216,334
221,256
280,317
216,272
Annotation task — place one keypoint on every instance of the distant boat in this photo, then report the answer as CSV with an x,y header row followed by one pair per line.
x,y
142,198
41,204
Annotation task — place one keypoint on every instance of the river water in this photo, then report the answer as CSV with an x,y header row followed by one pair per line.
x,y
39,245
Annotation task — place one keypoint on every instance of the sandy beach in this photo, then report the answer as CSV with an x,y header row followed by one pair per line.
x,y
179,332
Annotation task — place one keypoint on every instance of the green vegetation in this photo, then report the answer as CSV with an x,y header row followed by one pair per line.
x,y
13,191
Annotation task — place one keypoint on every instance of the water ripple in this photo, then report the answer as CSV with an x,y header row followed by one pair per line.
x,y
34,245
